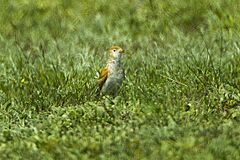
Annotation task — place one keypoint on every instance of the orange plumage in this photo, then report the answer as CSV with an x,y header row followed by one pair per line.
x,y
111,76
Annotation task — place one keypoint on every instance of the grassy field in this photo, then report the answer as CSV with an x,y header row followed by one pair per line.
x,y
180,98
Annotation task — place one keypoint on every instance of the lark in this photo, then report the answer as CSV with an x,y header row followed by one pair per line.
x,y
111,76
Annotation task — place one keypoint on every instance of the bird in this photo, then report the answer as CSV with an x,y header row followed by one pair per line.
x,y
111,77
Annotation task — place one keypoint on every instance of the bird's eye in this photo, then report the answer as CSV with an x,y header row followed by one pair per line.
x,y
114,50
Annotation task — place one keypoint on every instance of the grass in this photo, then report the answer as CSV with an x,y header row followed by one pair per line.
x,y
180,98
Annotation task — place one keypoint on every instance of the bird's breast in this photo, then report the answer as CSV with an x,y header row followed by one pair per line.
x,y
113,82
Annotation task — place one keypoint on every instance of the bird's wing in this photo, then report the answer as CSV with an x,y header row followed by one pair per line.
x,y
102,77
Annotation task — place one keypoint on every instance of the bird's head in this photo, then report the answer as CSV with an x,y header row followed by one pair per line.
x,y
116,52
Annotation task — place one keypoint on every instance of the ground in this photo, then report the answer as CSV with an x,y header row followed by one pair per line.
x,y
180,98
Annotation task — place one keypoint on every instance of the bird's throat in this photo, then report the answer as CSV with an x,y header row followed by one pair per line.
x,y
114,64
